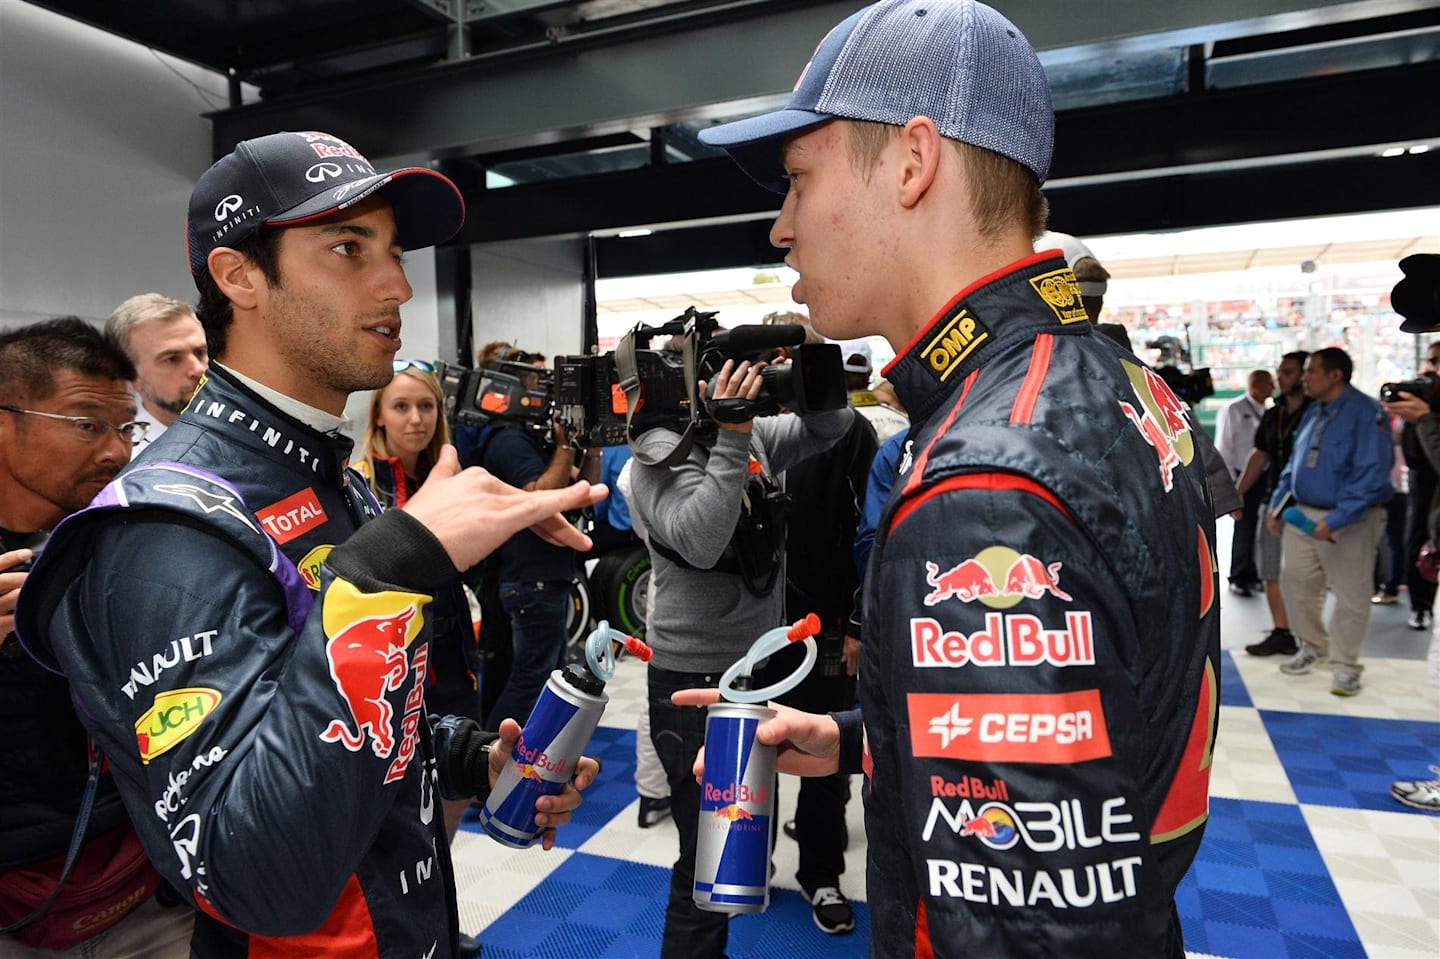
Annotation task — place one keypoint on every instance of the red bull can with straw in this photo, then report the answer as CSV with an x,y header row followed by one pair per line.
x,y
737,792
552,742
554,739
737,804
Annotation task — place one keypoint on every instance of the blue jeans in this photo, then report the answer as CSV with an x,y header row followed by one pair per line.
x,y
537,624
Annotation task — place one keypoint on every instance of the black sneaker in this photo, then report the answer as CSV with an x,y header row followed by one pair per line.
x,y
1240,589
1280,641
653,810
832,911
469,947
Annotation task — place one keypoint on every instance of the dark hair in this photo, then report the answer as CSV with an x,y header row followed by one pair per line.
x,y
31,356
214,310
1334,358
1299,356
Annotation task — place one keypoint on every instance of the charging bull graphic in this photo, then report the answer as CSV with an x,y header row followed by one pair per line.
x,y
997,576
368,653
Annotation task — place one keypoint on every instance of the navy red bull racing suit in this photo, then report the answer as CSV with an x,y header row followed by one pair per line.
x,y
1039,670
252,661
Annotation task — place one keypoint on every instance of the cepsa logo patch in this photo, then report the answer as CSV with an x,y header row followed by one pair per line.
x,y
954,340
173,717
1019,728
309,566
292,516
1061,292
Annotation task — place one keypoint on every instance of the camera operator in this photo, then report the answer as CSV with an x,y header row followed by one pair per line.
x,y
715,592
533,575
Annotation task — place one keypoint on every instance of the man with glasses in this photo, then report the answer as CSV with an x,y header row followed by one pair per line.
x,y
66,428
164,340
263,708
1339,479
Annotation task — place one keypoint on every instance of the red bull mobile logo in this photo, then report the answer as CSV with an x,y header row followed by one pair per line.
x,y
369,656
998,577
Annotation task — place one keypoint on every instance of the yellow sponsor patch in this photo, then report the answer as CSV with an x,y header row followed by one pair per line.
x,y
954,340
310,566
173,717
1061,292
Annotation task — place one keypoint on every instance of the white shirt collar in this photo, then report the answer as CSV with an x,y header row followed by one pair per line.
x,y
316,419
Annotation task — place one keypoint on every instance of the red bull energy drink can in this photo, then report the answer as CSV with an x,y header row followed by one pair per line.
x,y
552,742
737,803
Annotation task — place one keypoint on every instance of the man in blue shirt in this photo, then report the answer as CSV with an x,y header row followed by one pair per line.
x,y
1339,479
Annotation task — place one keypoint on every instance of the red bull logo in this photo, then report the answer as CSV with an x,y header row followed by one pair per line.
x,y
969,787
737,793
1005,640
979,827
540,762
1160,417
369,658
998,577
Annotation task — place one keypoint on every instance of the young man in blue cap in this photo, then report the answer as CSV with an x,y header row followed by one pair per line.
x,y
1039,668
247,636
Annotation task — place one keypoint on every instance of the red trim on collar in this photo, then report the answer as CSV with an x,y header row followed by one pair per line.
x,y
950,305
917,470
994,482
1024,406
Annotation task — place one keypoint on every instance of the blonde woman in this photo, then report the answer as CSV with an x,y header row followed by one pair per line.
x,y
404,434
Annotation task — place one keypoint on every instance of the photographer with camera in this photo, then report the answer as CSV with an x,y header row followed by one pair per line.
x,y
532,574
716,535
1339,482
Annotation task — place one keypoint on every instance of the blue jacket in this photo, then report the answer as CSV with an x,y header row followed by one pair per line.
x,y
1039,671
248,643
1341,460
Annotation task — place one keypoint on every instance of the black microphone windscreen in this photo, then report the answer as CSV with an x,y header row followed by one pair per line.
x,y
755,338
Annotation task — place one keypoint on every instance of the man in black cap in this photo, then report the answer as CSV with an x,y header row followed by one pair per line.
x,y
262,708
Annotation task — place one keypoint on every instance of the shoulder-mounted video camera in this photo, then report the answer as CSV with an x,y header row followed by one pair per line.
x,y
612,398
1192,386
510,392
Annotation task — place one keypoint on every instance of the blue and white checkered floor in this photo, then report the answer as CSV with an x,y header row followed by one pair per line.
x,y
1306,854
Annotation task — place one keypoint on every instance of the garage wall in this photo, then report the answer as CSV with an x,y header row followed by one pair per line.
x,y
530,293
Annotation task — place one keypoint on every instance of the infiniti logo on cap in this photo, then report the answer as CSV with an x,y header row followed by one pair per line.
x,y
227,206
321,172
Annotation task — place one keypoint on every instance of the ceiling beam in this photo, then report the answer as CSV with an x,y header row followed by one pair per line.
x,y
1148,205
645,75
1278,124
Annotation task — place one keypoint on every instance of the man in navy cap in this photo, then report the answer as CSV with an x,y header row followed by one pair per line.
x,y
1039,670
247,636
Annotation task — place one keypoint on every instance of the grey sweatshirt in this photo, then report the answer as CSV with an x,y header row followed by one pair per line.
x,y
704,619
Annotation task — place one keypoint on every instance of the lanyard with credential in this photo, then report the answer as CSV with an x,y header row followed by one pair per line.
x,y
1322,420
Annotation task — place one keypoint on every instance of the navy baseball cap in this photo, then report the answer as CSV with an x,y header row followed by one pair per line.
x,y
958,62
289,178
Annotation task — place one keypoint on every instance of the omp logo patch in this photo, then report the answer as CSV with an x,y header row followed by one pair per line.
x,y
954,340
1061,292
173,717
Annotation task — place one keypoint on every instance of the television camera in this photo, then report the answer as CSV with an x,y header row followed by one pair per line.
x,y
611,398
510,391
1190,386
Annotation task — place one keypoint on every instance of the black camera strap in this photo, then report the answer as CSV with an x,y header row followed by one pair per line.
x,y
629,375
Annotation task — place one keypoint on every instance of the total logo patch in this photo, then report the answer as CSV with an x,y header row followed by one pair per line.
x,y
997,576
952,341
1061,292
293,516
1004,727
174,716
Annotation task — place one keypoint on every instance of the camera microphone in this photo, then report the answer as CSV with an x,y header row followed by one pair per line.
x,y
754,338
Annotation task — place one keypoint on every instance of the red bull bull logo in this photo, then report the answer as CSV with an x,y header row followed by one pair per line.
x,y
733,813
1160,417
369,658
997,576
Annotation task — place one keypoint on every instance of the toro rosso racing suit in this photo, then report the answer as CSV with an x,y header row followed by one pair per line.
x,y
252,663
1041,638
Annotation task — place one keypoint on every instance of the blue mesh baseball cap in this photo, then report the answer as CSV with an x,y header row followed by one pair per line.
x,y
290,178
958,62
